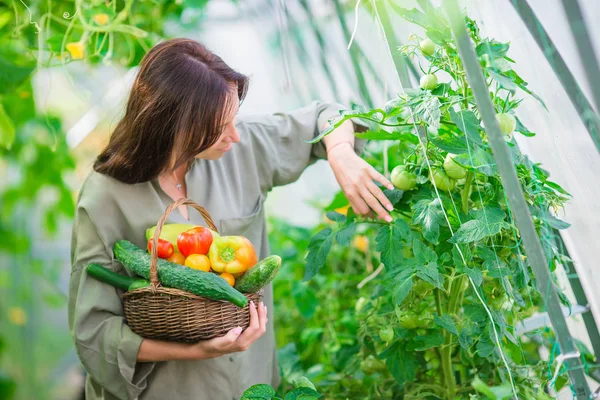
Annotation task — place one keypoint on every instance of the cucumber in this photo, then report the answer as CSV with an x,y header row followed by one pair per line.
x,y
259,276
138,284
112,278
205,284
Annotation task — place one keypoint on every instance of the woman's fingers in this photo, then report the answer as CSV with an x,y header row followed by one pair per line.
x,y
256,328
378,193
380,178
375,205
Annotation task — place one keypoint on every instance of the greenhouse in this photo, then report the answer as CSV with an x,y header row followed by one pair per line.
x,y
324,199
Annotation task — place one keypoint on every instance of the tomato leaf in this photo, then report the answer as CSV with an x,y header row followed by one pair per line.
x,y
429,111
335,216
465,339
475,275
468,123
486,222
303,393
428,214
413,15
318,249
446,322
389,238
401,286
259,392
492,48
344,235
451,144
434,338
429,273
522,129
404,136
305,299
401,363
394,195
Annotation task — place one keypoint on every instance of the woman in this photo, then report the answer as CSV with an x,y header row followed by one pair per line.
x,y
179,137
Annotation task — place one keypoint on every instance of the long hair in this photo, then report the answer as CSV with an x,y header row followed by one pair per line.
x,y
177,105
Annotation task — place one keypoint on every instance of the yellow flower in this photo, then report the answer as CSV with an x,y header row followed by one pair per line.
x,y
361,242
101,19
76,49
343,210
17,316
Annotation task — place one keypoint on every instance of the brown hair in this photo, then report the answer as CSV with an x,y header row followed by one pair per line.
x,y
177,105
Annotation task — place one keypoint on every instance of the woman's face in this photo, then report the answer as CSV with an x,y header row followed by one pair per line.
x,y
229,136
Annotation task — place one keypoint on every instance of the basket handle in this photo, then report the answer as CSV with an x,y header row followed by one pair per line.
x,y
154,282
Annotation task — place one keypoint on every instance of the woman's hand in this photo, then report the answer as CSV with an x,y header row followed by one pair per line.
x,y
355,176
235,340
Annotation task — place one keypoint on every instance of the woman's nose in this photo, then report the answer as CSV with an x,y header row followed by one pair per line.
x,y
235,136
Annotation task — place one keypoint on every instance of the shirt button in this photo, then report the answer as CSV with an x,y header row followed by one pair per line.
x,y
231,359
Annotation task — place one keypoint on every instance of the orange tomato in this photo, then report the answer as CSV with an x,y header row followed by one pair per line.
x,y
177,258
198,261
228,277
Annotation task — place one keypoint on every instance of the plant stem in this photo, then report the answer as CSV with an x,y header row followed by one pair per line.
x,y
466,191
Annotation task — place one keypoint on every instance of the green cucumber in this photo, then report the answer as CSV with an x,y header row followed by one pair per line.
x,y
112,278
138,284
259,276
205,284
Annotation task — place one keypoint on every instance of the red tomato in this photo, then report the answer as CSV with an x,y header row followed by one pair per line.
x,y
195,241
165,248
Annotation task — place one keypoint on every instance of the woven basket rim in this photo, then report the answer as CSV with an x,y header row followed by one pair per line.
x,y
176,292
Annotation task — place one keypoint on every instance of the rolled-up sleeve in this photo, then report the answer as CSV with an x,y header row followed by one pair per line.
x,y
282,141
106,346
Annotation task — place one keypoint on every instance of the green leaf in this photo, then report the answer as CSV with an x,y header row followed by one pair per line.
x,y
344,235
475,274
305,299
335,216
402,287
429,111
479,159
318,249
441,90
428,214
401,363
504,81
14,69
429,273
259,392
434,338
8,387
522,129
492,392
302,393
394,195
423,253
485,348
468,123
446,322
389,243
465,339
554,222
383,135
492,48
451,144
412,15
557,187
438,37
7,130
486,222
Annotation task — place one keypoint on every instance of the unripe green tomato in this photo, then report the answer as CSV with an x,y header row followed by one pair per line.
x,y
443,181
427,47
429,81
403,179
408,321
453,170
422,287
360,304
386,334
507,122
371,365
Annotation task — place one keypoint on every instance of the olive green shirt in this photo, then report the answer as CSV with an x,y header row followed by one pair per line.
x,y
272,152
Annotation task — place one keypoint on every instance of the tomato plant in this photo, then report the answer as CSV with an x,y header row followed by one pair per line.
x,y
442,312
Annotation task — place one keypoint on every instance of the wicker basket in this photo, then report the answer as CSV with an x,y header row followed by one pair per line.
x,y
157,312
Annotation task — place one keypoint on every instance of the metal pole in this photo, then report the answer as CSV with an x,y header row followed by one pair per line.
x,y
584,46
585,110
516,199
